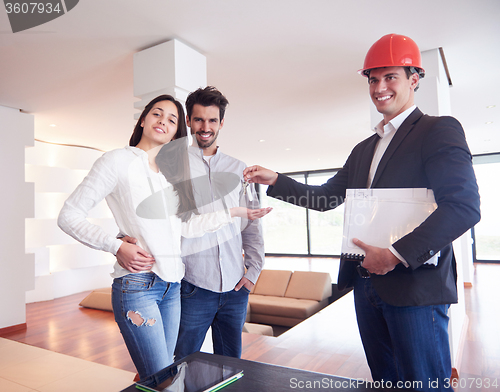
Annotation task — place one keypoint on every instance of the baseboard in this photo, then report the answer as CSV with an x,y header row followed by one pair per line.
x,y
13,328
455,370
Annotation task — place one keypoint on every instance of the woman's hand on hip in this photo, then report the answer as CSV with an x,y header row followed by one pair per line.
x,y
133,258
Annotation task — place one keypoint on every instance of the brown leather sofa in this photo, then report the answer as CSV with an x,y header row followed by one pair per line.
x,y
278,298
286,298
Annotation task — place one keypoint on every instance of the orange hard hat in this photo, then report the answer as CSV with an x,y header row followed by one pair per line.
x,y
393,50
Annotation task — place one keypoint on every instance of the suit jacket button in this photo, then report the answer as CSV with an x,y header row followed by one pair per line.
x,y
431,252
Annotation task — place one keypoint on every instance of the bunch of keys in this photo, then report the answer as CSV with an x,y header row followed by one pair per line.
x,y
249,193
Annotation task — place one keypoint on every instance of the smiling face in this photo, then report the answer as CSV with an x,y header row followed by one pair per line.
x,y
205,126
159,125
391,90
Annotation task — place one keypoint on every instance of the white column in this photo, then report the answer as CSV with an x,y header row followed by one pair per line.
x,y
433,96
168,68
17,204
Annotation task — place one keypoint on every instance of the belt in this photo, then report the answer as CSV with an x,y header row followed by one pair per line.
x,y
362,272
357,259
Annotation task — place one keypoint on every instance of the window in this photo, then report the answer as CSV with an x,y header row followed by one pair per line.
x,y
487,231
292,230
325,228
285,228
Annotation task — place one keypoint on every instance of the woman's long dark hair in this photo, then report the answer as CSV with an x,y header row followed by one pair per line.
x,y
181,121
172,159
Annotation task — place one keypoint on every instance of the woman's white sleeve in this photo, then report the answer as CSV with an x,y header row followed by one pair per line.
x,y
198,225
100,182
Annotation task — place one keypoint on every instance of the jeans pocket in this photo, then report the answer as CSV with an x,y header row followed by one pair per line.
x,y
245,289
188,289
133,283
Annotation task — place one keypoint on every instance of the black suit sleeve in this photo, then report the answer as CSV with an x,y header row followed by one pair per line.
x,y
331,194
316,197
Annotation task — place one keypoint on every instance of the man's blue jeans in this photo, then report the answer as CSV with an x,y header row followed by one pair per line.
x,y
225,312
147,310
403,343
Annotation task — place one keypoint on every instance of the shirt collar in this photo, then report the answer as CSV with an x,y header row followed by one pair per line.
x,y
200,152
136,150
393,125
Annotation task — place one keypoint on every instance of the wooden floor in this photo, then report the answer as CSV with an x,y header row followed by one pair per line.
x,y
327,343
62,326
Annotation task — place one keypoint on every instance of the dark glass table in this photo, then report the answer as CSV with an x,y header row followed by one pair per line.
x,y
262,377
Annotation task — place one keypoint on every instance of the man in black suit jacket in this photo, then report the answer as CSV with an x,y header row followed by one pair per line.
x,y
402,307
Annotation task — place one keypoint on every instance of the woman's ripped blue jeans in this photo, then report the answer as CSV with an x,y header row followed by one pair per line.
x,y
147,311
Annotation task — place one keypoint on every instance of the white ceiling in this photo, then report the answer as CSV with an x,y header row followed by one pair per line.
x,y
288,68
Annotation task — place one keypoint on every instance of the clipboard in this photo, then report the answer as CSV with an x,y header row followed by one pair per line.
x,y
379,217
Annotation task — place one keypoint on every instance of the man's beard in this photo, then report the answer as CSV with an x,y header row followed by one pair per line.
x,y
207,143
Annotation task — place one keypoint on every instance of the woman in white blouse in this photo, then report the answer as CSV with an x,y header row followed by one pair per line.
x,y
146,298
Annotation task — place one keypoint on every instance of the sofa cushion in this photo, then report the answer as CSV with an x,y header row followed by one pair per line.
x,y
309,285
98,299
258,329
272,282
284,307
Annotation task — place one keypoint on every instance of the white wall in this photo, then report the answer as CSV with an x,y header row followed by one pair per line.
x,y
17,203
62,265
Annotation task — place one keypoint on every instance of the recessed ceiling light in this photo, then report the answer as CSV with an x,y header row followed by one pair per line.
x,y
287,149
52,125
261,140
489,122
490,106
